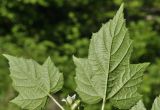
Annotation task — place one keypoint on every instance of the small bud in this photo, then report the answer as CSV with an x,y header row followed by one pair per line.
x,y
70,99
73,97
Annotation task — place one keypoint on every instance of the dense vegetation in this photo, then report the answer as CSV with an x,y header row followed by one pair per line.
x,y
41,28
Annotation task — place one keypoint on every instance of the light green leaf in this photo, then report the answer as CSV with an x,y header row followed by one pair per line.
x,y
56,78
156,104
33,82
139,106
107,73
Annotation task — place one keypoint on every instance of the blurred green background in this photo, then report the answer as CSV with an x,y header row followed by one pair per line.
x,y
62,28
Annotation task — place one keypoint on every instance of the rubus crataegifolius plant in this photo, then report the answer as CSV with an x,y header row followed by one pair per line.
x,y
34,82
105,75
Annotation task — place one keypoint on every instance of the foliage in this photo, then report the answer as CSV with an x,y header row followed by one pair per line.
x,y
33,82
107,72
38,28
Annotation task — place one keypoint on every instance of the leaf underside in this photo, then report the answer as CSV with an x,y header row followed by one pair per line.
x,y
107,73
33,81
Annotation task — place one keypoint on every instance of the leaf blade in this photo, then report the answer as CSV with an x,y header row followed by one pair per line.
x,y
84,79
33,81
108,65
55,76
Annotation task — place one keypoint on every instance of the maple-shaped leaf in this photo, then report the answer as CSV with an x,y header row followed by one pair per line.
x,y
107,73
33,82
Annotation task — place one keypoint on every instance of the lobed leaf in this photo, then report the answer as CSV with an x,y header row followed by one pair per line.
x,y
107,73
33,81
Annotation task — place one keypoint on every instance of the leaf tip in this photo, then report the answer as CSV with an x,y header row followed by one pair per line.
x,y
146,64
121,8
122,5
7,56
75,59
13,101
48,60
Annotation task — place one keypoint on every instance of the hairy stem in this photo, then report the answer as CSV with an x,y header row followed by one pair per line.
x,y
56,102
103,104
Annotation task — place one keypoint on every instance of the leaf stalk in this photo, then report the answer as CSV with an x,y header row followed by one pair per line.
x,y
103,104
56,102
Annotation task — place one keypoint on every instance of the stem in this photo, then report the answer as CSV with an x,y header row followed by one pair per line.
x,y
103,103
55,101
75,105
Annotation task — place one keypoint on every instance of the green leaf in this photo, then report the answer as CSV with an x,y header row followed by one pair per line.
x,y
33,82
156,104
107,73
139,106
56,78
